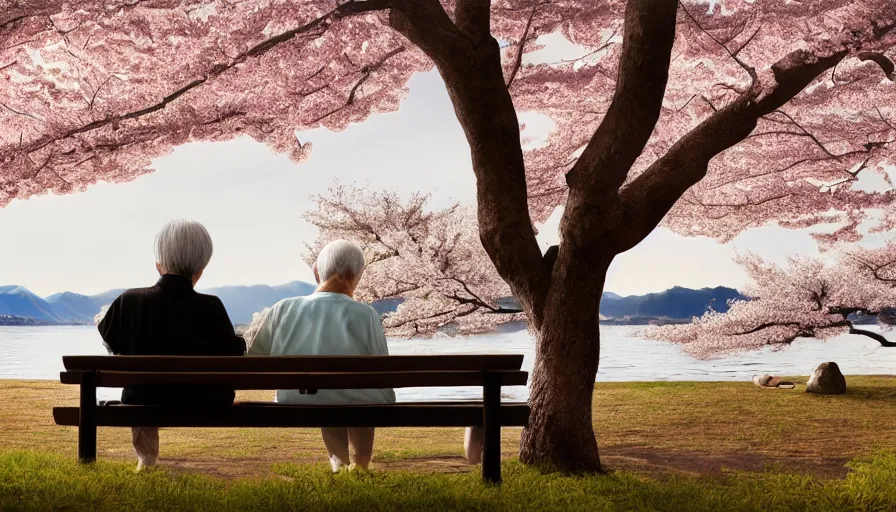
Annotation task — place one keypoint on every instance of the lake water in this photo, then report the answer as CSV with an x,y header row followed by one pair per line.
x,y
36,352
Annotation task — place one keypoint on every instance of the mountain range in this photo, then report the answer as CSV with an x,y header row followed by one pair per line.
x,y
675,303
75,308
21,307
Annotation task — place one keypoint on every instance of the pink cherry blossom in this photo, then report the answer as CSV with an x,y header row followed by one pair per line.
x,y
808,298
433,260
95,90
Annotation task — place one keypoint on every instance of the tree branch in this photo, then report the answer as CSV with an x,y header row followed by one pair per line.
x,y
474,77
804,131
640,86
426,24
472,17
768,325
733,54
366,71
478,301
349,8
873,335
24,114
97,91
875,268
417,319
353,7
550,257
482,305
16,19
652,194
881,60
518,61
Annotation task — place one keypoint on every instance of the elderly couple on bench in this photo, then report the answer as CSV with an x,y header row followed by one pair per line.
x,y
171,318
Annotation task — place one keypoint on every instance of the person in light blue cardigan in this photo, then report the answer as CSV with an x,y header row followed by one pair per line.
x,y
328,322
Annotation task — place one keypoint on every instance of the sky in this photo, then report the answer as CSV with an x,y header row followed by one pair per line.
x,y
252,202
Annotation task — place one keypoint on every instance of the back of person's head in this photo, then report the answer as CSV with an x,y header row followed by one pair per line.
x,y
183,247
340,259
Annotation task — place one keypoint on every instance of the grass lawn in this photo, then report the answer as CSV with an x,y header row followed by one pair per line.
x,y
39,482
673,446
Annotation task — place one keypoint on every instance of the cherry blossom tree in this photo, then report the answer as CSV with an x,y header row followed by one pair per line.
x,y
432,260
809,298
714,115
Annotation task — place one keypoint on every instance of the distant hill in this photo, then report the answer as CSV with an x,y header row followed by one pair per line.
x,y
22,306
671,306
242,301
674,303
82,308
18,301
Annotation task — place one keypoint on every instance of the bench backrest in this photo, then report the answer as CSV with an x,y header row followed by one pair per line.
x,y
299,372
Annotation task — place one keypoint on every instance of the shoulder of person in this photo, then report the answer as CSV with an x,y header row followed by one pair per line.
x,y
132,293
209,299
284,304
368,309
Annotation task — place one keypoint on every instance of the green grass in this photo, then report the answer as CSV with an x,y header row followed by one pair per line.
x,y
738,416
674,446
31,481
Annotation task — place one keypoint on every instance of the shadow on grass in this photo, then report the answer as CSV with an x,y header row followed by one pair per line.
x,y
862,393
35,481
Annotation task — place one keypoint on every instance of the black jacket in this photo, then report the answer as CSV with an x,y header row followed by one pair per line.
x,y
171,319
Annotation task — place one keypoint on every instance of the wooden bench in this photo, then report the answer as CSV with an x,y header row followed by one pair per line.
x,y
491,372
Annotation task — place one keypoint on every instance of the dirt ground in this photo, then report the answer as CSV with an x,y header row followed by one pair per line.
x,y
645,460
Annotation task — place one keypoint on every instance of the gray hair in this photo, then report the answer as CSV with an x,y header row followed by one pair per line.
x,y
183,247
340,258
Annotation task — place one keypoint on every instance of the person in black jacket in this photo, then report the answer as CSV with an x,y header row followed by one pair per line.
x,y
171,318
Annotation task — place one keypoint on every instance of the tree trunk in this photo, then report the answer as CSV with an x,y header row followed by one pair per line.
x,y
560,434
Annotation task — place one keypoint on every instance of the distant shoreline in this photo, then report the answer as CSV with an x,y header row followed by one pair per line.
x,y
30,322
635,320
19,321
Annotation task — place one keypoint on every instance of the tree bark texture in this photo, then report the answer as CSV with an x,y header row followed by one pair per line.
x,y
560,432
605,213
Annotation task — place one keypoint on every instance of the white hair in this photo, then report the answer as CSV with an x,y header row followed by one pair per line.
x,y
183,247
340,258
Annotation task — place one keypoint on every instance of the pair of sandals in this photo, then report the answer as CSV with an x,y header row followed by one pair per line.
x,y
770,381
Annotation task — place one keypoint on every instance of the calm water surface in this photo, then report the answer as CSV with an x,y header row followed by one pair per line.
x,y
36,352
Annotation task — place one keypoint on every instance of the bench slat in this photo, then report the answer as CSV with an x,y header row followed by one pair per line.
x,y
275,415
340,380
357,364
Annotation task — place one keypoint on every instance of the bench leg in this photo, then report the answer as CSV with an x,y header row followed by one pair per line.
x,y
491,426
87,419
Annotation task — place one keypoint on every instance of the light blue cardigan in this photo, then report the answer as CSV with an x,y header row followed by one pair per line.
x,y
323,323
